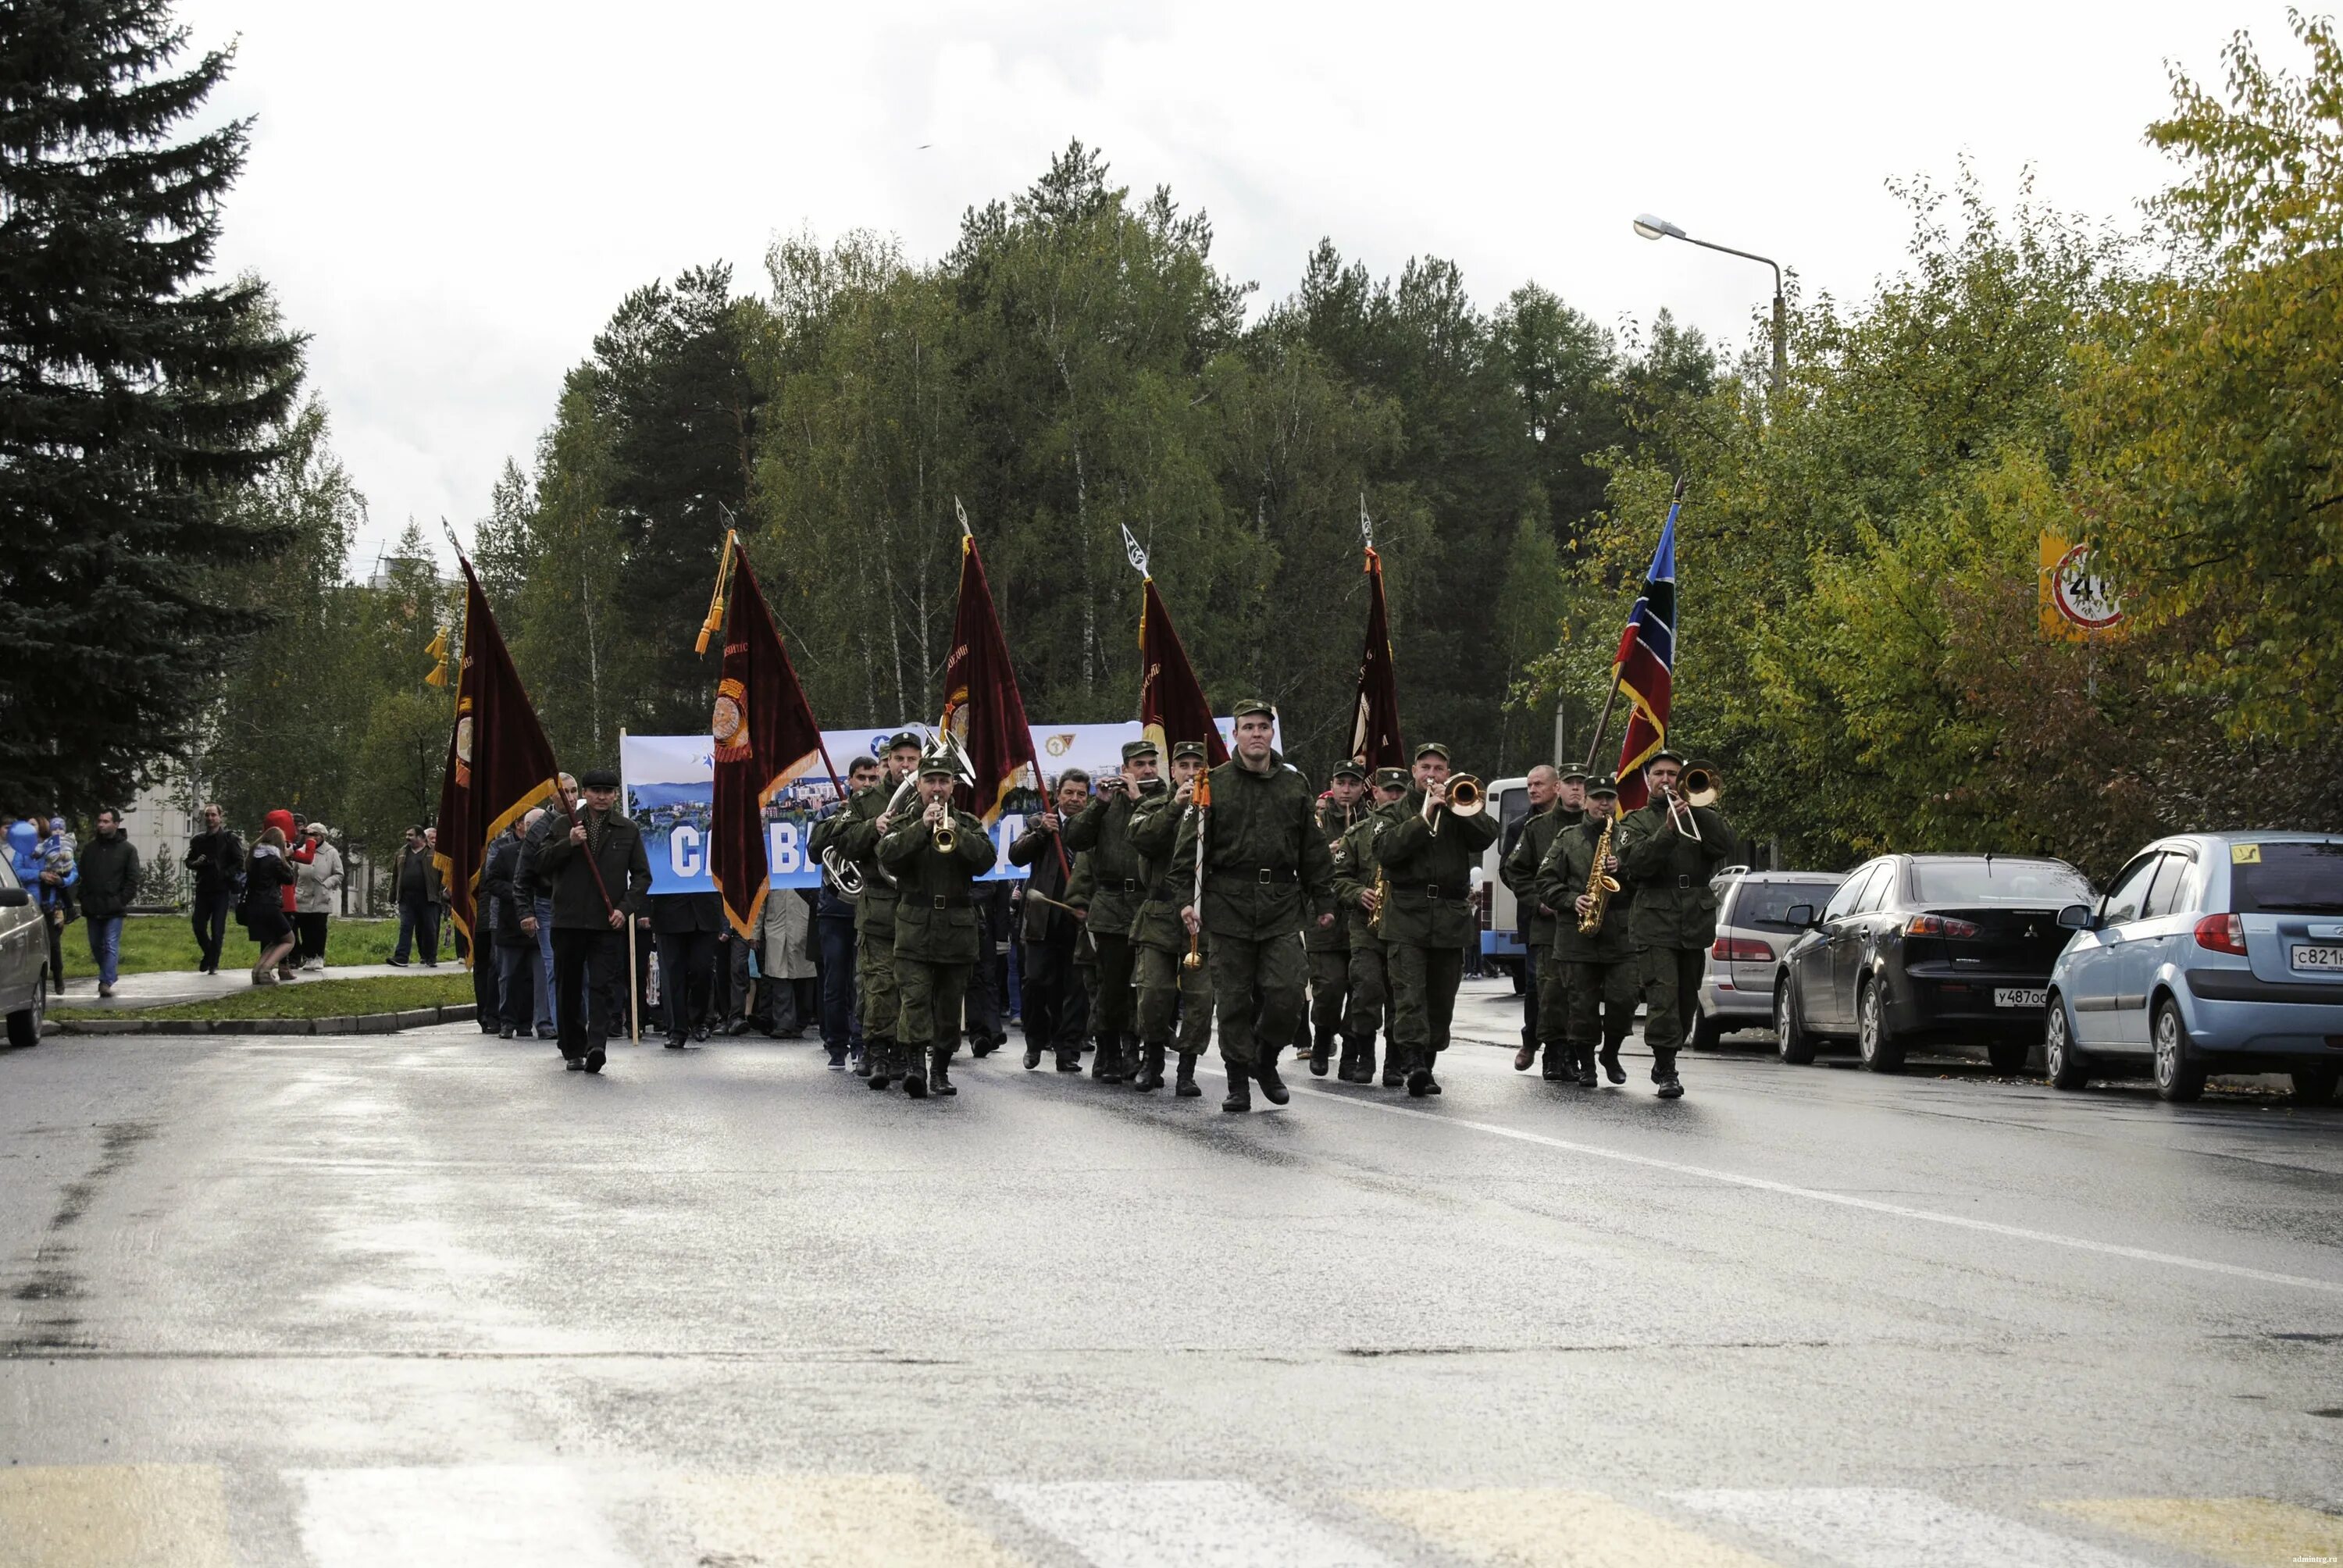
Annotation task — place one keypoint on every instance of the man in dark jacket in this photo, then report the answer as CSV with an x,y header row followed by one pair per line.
x,y
1267,870
216,858
1103,829
109,885
1427,857
833,930
1557,801
687,926
594,862
1670,850
415,881
1056,1011
520,980
936,937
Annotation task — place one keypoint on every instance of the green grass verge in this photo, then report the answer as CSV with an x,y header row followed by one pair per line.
x,y
306,998
162,943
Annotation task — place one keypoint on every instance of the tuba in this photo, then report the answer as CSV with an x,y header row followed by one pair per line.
x,y
1467,796
844,874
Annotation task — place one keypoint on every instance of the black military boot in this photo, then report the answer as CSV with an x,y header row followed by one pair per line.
x,y
915,1069
1032,1053
861,1055
1186,1087
1150,1072
1319,1050
1611,1067
1663,1073
1239,1088
1107,1066
1346,1069
939,1071
878,1056
1272,1088
1583,1061
1560,1062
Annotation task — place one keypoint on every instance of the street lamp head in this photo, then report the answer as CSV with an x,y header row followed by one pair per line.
x,y
1650,227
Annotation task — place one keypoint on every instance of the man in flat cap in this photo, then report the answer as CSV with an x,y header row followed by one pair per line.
x,y
1556,801
1671,849
855,832
1266,874
1167,990
1329,947
934,857
592,859
1356,874
1427,857
1103,830
1601,962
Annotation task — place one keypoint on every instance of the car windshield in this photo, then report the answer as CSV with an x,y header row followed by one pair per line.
x,y
1768,903
1993,880
2287,879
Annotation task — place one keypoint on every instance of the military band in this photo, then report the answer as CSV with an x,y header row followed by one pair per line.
x,y
1329,946
1426,916
853,836
1558,802
934,856
1590,941
1671,850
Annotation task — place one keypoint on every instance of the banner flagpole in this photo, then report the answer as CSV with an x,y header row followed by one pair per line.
x,y
634,1002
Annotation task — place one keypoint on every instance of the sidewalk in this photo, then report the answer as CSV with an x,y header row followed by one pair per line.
x,y
167,986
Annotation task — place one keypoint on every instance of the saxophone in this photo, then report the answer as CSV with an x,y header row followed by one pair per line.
x,y
1600,884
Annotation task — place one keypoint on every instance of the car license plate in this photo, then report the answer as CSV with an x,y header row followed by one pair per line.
x,y
2319,959
2013,996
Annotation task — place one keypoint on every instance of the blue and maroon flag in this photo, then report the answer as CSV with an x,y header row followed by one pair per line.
x,y
1644,667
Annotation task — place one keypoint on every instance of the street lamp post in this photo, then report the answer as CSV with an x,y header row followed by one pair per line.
x,y
1650,227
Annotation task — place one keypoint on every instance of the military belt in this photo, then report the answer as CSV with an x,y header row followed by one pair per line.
x,y
1261,874
950,900
1429,891
1688,882
1130,884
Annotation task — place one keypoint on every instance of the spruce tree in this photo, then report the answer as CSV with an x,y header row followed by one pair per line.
x,y
137,398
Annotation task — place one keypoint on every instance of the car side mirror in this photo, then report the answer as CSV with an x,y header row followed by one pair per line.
x,y
2077,918
14,897
1801,916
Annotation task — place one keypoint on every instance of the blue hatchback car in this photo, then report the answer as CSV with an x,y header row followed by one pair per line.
x,y
2210,953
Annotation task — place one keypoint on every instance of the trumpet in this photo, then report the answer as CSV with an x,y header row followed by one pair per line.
x,y
947,839
1467,796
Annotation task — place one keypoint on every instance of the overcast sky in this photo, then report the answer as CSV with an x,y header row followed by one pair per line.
x,y
451,198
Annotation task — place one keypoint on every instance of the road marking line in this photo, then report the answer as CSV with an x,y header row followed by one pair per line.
x,y
113,1516
787,1521
1183,1524
1890,1527
1843,1200
2251,1532
1508,1528
468,1516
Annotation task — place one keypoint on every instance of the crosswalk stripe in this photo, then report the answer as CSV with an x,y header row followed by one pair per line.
x,y
783,1520
2251,1532
1538,1528
472,1516
113,1516
1889,1527
1183,1524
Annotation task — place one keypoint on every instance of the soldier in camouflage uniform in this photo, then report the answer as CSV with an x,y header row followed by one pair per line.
x,y
1166,985
855,833
1354,894
1600,963
1674,919
1430,918
1545,995
1103,832
937,938
1329,947
1267,872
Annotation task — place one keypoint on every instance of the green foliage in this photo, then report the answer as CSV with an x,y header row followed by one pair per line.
x,y
306,998
133,400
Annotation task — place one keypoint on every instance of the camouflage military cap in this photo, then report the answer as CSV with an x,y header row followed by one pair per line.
x,y
1580,774
1349,770
1431,748
937,767
1190,749
1665,754
1252,705
1391,779
1134,750
902,738
1603,784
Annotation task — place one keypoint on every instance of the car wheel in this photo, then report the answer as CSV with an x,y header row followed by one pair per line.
x,y
2179,1076
2316,1085
2009,1055
1881,1050
2068,1068
1794,1044
24,1026
1706,1034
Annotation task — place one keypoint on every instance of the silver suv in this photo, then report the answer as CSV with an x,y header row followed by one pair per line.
x,y
1737,988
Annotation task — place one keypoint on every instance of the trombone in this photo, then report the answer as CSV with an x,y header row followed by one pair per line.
x,y
1699,787
1467,796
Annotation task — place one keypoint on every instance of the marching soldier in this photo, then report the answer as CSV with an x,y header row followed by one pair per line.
x,y
1166,985
1427,857
1056,1008
1355,871
1556,803
934,857
1103,829
1329,947
1600,963
1671,849
1267,872
855,833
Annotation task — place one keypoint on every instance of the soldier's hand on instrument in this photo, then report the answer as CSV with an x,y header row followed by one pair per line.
x,y
1610,865
1325,923
1367,899
1187,792
1188,917
1585,905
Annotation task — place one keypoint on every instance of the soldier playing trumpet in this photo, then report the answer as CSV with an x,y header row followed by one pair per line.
x,y
1427,857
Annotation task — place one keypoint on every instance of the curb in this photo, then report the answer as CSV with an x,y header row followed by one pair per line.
x,y
363,1023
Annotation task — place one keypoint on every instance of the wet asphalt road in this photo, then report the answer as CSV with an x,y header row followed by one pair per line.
x,y
490,1289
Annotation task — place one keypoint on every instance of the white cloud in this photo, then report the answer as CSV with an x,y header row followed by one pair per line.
x,y
451,198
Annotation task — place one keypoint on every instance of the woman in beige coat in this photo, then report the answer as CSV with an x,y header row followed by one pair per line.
x,y
785,963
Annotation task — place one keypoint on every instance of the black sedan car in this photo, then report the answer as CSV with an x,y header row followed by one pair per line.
x,y
1936,949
